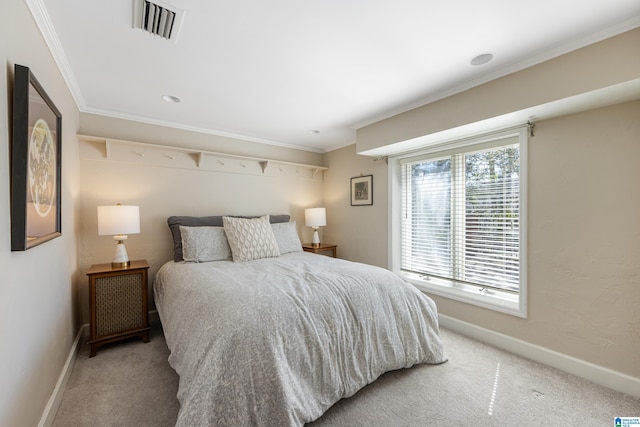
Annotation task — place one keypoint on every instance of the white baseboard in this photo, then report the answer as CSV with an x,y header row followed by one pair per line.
x,y
600,375
49,413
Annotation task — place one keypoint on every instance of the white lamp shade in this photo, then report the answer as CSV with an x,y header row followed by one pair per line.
x,y
118,220
315,217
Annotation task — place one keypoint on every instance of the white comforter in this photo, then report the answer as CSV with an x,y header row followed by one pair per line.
x,y
276,342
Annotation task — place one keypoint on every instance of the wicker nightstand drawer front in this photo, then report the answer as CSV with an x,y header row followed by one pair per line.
x,y
118,304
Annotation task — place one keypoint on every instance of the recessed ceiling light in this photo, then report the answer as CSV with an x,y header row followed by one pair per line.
x,y
314,132
482,59
171,98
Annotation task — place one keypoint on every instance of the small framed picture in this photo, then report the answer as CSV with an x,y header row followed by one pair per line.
x,y
362,190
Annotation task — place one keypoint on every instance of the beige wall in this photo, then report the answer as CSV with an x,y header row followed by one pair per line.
x,y
165,183
359,231
38,323
584,237
583,241
584,206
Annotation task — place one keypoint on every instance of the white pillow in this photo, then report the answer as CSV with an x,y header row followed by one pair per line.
x,y
250,238
203,244
287,237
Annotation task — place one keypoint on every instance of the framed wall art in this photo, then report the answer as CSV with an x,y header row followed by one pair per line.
x,y
362,190
35,164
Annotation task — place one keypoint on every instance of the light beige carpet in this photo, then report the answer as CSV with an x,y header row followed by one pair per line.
x,y
131,384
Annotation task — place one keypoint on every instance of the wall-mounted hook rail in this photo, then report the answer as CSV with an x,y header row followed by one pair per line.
x,y
198,156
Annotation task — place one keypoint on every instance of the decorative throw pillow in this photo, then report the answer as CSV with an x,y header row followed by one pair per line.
x,y
287,237
203,244
174,223
250,239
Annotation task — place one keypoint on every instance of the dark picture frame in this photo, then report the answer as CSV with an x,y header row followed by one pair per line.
x,y
362,190
36,155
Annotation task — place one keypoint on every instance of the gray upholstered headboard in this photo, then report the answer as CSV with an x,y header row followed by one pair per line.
x,y
204,221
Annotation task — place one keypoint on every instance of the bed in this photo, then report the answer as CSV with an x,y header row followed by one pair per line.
x,y
278,339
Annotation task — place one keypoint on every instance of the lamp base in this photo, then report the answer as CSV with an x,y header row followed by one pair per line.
x,y
315,242
124,264
121,259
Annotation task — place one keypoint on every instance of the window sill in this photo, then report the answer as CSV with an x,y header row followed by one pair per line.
x,y
494,300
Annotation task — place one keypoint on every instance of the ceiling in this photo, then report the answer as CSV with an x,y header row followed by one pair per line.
x,y
302,73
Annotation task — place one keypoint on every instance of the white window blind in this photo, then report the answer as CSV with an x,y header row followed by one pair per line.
x,y
460,215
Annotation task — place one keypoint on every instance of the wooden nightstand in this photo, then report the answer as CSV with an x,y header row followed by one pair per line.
x,y
322,247
118,303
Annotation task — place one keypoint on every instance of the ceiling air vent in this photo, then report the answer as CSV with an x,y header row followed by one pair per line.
x,y
157,18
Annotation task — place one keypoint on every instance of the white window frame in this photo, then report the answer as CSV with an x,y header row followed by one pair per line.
x,y
504,302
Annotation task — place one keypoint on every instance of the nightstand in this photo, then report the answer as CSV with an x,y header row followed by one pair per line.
x,y
117,303
322,247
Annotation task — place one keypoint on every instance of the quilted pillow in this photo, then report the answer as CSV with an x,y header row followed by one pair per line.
x,y
287,237
250,238
203,244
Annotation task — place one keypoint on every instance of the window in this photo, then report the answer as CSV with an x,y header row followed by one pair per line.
x,y
459,220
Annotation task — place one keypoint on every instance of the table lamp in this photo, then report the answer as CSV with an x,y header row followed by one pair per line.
x,y
314,218
118,221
